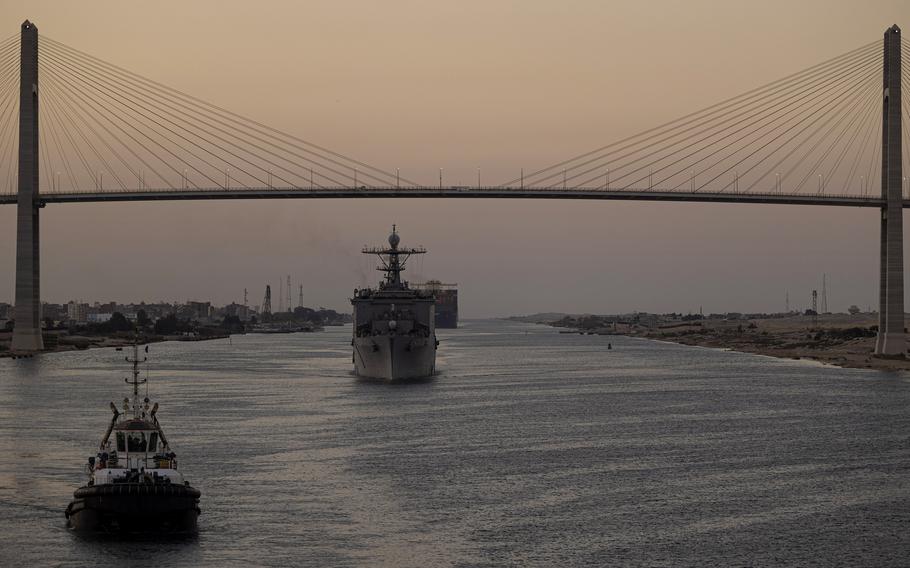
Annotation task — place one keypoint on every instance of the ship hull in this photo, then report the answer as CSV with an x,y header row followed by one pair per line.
x,y
392,358
134,507
446,319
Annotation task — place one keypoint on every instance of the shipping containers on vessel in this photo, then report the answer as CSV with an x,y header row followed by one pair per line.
x,y
446,302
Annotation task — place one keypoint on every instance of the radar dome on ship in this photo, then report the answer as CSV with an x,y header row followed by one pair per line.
x,y
394,239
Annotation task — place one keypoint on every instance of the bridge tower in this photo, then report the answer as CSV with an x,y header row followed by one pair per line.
x,y
890,340
27,330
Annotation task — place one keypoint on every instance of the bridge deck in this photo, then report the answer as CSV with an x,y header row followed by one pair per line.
x,y
452,192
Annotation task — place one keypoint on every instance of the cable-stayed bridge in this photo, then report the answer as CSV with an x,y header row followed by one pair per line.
x,y
831,134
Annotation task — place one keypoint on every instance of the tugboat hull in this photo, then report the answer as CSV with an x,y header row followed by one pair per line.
x,y
134,507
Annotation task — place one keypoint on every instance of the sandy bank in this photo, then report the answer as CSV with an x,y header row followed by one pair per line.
x,y
836,339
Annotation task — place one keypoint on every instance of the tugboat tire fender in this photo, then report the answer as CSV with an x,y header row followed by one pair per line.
x,y
137,489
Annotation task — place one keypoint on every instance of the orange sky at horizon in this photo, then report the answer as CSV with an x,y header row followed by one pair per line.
x,y
495,85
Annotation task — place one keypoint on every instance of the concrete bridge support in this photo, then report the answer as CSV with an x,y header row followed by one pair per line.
x,y
890,340
27,330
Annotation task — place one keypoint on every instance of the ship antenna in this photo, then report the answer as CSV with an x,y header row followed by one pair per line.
x,y
393,259
135,381
146,373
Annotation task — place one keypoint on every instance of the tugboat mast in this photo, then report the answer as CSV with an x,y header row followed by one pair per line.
x,y
135,380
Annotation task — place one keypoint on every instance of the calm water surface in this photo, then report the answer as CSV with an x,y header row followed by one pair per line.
x,y
530,448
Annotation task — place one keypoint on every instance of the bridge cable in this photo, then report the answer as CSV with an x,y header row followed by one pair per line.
x,y
711,129
871,96
236,118
825,119
98,101
867,142
875,156
814,78
59,113
75,113
710,140
110,112
55,139
99,180
138,102
791,100
779,136
735,113
782,129
144,162
232,164
192,117
8,130
855,126
681,121
185,115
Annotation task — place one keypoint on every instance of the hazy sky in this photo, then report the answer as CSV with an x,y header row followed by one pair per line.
x,y
460,85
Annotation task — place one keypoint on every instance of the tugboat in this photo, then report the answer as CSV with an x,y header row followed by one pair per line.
x,y
133,481
394,326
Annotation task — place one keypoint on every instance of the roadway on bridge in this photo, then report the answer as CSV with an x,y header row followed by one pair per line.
x,y
457,192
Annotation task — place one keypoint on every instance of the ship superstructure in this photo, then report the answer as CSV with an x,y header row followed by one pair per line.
x,y
394,325
133,480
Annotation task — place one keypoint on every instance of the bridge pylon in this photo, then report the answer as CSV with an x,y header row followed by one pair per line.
x,y
890,340
27,330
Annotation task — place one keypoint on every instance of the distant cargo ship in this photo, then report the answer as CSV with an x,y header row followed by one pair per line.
x,y
394,327
446,302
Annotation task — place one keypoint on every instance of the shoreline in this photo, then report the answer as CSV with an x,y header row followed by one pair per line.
x,y
840,340
848,356
86,342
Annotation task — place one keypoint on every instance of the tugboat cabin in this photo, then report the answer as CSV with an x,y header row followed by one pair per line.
x,y
138,443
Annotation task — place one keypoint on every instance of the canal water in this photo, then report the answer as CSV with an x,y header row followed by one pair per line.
x,y
531,448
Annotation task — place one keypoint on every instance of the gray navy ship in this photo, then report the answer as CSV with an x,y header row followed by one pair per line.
x,y
394,328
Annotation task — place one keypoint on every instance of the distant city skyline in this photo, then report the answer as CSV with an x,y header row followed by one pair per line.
x,y
461,87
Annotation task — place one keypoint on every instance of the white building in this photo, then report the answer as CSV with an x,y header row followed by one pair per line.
x,y
77,312
99,318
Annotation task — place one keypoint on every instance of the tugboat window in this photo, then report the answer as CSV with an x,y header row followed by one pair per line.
x,y
153,441
121,442
136,442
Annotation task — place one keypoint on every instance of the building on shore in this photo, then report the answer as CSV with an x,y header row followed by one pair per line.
x,y
77,312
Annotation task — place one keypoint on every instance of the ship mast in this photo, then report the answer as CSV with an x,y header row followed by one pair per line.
x,y
135,380
393,260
